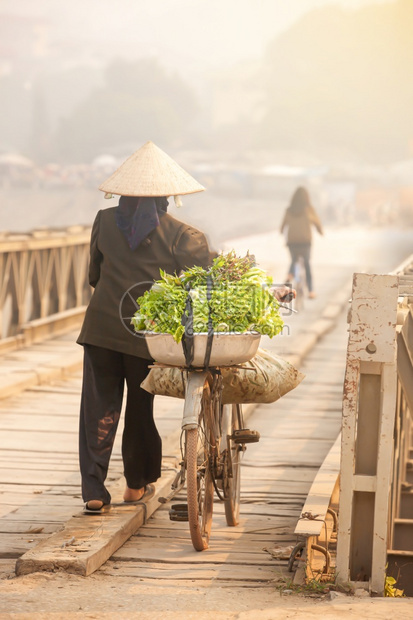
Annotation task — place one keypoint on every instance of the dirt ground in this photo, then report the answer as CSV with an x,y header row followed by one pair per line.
x,y
62,596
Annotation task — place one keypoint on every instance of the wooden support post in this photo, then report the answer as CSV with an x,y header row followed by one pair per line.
x,y
369,404
384,470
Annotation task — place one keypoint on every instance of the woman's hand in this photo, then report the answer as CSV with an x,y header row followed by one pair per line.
x,y
284,293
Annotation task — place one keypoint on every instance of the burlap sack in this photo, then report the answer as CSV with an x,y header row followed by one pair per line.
x,y
264,379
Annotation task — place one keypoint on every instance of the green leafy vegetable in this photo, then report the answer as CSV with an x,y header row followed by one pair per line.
x,y
240,300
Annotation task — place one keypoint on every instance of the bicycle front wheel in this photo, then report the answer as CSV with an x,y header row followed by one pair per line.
x,y
232,479
199,483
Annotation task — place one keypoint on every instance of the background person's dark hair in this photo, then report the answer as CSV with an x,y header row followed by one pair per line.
x,y
300,201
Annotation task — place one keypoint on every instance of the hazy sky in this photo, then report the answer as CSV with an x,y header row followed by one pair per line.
x,y
194,35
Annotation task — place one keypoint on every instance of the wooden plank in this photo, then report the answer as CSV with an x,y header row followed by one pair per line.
x,y
30,355
229,533
87,541
258,479
68,467
225,574
19,489
300,406
325,430
10,440
254,524
11,528
38,500
42,477
10,385
177,552
39,423
49,457
55,389
14,545
47,409
319,496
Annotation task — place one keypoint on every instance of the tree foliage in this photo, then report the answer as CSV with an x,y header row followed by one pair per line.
x,y
340,81
139,101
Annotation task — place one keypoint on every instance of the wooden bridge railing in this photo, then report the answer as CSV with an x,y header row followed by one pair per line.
x,y
370,479
43,282
376,509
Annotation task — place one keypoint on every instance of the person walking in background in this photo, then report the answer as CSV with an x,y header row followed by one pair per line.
x,y
299,218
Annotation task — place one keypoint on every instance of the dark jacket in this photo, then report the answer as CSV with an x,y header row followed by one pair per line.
x,y
120,275
299,225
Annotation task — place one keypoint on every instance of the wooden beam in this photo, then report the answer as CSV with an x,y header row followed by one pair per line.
x,y
87,541
319,496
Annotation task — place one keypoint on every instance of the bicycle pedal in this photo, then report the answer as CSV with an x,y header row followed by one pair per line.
x,y
178,512
245,435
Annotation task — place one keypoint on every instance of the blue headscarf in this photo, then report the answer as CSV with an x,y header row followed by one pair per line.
x,y
137,217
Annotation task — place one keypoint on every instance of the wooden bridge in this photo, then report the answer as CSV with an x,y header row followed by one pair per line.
x,y
288,479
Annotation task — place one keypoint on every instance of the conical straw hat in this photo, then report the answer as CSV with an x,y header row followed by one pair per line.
x,y
150,172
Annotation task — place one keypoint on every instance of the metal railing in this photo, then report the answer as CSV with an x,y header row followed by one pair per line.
x,y
43,280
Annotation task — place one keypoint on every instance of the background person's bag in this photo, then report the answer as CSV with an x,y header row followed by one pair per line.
x,y
264,379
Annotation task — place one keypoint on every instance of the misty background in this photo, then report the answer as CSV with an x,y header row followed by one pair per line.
x,y
252,97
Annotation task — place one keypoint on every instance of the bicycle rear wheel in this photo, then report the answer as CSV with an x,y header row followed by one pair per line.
x,y
199,483
232,469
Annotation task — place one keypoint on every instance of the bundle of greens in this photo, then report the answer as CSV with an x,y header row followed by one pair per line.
x,y
240,300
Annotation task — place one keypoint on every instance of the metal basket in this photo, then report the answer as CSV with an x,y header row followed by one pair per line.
x,y
228,349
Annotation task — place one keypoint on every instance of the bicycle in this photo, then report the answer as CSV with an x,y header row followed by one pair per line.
x,y
214,442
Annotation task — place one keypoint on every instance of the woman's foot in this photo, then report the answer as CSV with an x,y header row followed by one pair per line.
x,y
136,496
312,295
96,507
94,504
133,495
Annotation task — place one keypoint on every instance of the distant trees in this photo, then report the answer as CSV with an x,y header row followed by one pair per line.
x,y
15,113
339,83
138,101
336,84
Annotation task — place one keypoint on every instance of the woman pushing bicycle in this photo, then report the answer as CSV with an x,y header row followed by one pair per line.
x,y
130,243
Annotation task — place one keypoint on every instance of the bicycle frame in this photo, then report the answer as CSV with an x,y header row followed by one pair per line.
x,y
193,399
193,404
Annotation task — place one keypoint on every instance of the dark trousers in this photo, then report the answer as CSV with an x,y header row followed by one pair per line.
x,y
104,375
297,251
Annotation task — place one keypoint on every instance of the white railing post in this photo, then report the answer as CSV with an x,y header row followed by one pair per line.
x,y
369,403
